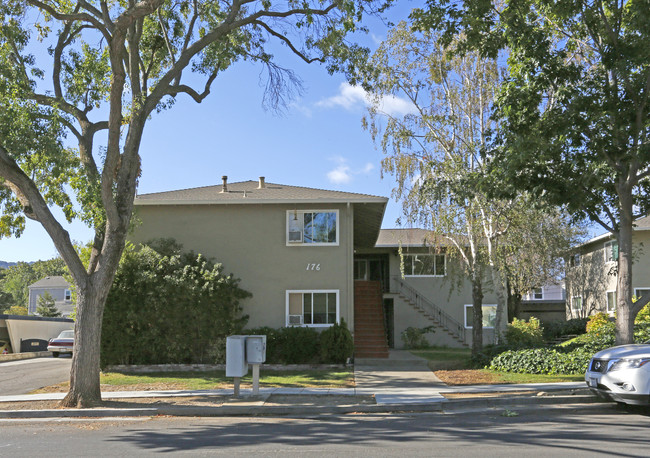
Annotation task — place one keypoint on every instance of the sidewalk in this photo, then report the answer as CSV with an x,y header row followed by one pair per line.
x,y
403,383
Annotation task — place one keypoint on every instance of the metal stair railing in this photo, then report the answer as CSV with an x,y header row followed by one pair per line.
x,y
399,286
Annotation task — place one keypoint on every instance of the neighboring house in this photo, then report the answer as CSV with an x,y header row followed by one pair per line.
x,y
592,272
58,288
547,303
312,257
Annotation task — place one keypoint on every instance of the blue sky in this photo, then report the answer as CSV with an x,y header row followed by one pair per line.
x,y
317,142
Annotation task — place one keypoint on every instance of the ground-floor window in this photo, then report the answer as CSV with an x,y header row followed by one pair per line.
x,y
312,307
640,292
489,316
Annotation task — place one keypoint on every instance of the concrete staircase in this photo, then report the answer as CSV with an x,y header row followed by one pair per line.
x,y
369,326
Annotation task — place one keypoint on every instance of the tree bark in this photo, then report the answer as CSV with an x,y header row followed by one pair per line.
x,y
477,313
84,375
625,312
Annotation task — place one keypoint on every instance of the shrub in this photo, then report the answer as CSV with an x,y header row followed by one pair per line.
x,y
336,344
643,316
483,358
166,306
413,338
573,326
597,321
542,361
522,333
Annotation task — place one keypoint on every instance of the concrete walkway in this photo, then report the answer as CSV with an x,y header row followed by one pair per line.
x,y
403,378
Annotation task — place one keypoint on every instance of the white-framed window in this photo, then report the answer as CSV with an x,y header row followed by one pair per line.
x,y
67,295
611,301
576,303
317,308
639,292
489,315
312,227
611,251
424,265
538,293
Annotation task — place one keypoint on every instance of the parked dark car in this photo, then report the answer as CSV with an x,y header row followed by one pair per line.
x,y
64,343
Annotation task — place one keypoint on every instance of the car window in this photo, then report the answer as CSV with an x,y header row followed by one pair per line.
x,y
66,335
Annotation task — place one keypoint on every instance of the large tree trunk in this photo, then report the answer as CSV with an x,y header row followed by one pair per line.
x,y
84,375
625,311
477,313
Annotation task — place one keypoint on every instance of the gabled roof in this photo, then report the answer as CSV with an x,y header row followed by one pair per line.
x,y
368,209
641,224
402,237
51,282
410,238
249,192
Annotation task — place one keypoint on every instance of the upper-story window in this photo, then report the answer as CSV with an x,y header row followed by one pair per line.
x,y
424,265
575,260
312,227
538,293
611,251
68,295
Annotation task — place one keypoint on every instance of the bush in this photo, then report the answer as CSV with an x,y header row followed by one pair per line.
x,y
570,357
643,316
522,333
483,358
166,306
336,344
290,345
597,321
413,338
542,361
556,329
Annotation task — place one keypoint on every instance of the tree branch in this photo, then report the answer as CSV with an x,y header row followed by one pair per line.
x,y
36,208
288,43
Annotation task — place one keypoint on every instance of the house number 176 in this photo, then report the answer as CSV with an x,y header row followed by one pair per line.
x,y
313,267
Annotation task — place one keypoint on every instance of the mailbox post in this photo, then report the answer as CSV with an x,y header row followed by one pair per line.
x,y
255,355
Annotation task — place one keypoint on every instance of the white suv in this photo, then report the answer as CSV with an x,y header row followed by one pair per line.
x,y
621,374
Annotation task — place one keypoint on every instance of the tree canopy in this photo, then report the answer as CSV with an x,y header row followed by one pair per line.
x,y
573,113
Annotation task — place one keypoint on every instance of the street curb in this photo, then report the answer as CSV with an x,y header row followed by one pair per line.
x,y
75,413
447,406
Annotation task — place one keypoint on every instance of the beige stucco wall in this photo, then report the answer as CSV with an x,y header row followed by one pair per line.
x,y
447,293
250,241
594,277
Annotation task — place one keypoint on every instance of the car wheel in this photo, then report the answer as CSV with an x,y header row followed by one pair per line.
x,y
55,354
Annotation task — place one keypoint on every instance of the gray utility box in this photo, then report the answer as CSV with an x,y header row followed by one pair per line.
x,y
255,349
236,365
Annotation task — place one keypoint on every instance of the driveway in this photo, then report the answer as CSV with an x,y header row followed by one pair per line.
x,y
27,375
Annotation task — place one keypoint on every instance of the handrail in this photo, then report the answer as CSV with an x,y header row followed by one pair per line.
x,y
421,302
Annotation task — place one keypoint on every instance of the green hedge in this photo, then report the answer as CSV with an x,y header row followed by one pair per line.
x,y
302,345
166,307
569,358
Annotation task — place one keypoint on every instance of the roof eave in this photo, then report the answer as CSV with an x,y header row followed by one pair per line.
x,y
248,201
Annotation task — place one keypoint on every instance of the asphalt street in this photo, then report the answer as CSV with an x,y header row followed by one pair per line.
x,y
24,376
609,430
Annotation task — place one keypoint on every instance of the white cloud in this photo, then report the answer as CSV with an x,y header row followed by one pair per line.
x,y
354,97
343,173
349,97
340,175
